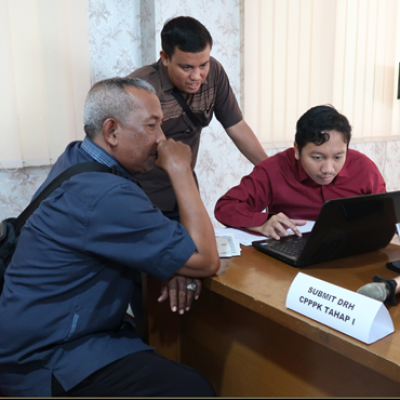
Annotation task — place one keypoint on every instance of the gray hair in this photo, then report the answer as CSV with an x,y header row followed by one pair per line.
x,y
108,99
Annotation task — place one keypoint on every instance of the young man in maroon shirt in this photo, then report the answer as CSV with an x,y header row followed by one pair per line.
x,y
294,184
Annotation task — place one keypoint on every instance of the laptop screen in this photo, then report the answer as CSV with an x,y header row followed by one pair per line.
x,y
348,226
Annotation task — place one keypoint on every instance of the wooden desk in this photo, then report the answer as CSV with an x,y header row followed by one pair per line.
x,y
242,337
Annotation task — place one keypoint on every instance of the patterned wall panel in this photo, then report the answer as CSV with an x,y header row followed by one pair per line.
x,y
115,37
17,188
124,35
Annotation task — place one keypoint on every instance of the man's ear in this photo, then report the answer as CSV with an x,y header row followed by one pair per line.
x,y
164,58
296,151
110,128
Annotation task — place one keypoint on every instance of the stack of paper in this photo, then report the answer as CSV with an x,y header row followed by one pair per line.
x,y
242,237
245,238
227,245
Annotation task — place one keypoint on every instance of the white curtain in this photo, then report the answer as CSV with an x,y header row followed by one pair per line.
x,y
303,53
44,78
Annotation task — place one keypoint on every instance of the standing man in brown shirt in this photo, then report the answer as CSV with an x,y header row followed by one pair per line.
x,y
187,70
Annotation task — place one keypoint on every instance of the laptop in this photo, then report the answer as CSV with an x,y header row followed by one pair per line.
x,y
344,227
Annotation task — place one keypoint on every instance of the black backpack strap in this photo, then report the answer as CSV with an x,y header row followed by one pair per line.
x,y
179,98
91,166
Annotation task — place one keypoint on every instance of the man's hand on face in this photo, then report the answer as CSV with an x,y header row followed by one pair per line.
x,y
276,226
173,157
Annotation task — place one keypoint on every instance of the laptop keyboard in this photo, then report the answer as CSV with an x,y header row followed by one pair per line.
x,y
291,247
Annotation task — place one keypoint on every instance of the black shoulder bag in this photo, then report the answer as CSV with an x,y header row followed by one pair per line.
x,y
10,228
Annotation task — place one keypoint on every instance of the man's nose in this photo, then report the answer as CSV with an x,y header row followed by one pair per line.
x,y
196,74
328,167
160,135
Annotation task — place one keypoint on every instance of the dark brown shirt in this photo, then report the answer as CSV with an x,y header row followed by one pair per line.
x,y
214,96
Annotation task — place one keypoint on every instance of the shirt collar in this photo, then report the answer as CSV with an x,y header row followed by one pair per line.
x,y
101,156
301,173
166,83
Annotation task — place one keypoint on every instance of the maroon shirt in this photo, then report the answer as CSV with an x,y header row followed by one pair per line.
x,y
281,184
214,96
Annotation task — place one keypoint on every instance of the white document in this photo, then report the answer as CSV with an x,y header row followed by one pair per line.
x,y
305,228
241,237
351,313
227,245
245,238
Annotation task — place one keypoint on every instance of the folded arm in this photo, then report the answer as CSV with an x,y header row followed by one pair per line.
x,y
243,205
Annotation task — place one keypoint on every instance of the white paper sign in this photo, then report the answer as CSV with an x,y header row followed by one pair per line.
x,y
351,313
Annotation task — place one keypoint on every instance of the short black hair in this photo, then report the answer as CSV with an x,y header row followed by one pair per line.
x,y
314,124
185,33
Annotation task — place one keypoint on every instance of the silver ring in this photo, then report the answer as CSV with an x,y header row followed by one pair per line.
x,y
191,286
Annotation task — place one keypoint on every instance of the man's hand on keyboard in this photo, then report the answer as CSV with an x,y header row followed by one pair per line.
x,y
277,226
